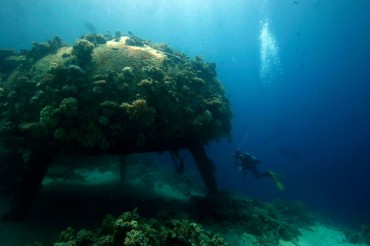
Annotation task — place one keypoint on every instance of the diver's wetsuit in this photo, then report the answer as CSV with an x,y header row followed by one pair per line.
x,y
247,162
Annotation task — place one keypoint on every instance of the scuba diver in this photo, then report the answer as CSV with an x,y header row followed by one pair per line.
x,y
247,162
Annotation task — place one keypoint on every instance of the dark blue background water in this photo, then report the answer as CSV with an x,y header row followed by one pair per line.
x,y
310,122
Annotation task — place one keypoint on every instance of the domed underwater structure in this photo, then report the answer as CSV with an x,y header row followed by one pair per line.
x,y
104,95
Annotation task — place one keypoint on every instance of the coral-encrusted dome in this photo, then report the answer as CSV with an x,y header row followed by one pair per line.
x,y
110,95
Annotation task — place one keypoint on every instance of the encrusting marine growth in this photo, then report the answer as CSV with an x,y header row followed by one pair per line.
x,y
104,95
130,229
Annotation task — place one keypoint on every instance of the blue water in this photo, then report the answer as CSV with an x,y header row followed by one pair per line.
x,y
296,73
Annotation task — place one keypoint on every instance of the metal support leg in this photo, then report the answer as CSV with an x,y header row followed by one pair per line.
x,y
28,185
205,167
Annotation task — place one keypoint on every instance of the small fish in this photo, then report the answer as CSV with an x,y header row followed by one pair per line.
x,y
295,2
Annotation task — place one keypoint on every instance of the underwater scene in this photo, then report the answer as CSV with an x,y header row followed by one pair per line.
x,y
184,123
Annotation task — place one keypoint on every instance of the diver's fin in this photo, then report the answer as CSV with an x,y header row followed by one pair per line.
x,y
276,180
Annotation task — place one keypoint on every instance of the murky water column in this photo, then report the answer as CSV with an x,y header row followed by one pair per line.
x,y
270,68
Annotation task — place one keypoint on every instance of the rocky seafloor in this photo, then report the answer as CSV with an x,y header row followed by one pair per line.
x,y
157,206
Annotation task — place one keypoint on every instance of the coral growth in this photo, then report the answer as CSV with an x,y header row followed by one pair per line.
x,y
83,50
256,222
132,230
68,107
101,95
40,50
96,39
48,117
269,223
139,112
